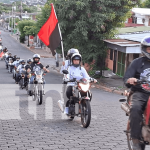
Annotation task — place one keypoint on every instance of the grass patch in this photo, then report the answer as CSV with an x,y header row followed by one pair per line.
x,y
133,29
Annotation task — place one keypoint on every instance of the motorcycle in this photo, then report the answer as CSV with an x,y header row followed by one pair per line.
x,y
14,71
79,103
22,82
38,85
126,106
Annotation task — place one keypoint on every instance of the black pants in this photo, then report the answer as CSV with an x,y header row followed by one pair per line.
x,y
11,68
68,94
138,104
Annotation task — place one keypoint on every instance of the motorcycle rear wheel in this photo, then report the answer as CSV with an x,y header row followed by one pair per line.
x,y
85,113
130,143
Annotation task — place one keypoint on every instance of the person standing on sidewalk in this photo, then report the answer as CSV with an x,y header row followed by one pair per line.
x,y
138,69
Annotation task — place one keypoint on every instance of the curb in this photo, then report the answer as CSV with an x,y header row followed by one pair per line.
x,y
107,89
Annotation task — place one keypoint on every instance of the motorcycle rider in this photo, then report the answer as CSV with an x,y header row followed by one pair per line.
x,y
67,63
138,69
8,58
20,68
35,63
16,64
5,50
28,66
77,72
14,58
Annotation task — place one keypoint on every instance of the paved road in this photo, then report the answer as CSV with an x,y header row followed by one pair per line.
x,y
26,126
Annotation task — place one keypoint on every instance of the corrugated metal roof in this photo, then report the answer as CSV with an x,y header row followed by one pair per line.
x,y
134,37
122,42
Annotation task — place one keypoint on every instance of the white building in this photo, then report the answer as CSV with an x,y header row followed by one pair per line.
x,y
142,16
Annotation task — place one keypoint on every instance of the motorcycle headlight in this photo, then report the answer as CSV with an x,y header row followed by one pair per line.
x,y
84,87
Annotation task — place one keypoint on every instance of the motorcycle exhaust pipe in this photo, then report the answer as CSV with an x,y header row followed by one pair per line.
x,y
126,108
60,104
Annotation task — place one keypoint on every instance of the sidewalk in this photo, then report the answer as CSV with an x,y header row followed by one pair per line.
x,y
110,82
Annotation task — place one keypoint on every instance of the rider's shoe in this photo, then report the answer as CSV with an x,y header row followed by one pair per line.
x,y
136,144
66,111
30,92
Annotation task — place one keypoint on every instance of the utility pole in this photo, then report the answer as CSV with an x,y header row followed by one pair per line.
x,y
9,19
12,19
14,15
21,11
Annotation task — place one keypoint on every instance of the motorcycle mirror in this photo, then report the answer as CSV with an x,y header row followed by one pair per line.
x,y
122,100
97,72
65,71
47,66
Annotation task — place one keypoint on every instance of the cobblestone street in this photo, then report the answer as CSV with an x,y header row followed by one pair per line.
x,y
24,125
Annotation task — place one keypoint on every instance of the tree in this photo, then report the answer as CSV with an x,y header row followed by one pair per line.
x,y
85,24
43,16
16,21
29,30
21,25
146,4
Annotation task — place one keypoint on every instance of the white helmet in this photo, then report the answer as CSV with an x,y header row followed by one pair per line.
x,y
144,44
36,56
72,51
76,56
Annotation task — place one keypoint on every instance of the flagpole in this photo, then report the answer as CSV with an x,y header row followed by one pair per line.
x,y
60,36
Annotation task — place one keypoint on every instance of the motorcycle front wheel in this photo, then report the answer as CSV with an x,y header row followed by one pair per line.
x,y
130,143
85,113
40,95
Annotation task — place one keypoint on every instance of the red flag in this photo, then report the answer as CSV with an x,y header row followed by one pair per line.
x,y
49,33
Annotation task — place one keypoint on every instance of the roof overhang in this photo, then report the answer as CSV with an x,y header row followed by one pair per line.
x,y
141,11
124,46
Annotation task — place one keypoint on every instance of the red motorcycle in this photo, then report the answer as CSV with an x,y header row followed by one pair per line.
x,y
126,105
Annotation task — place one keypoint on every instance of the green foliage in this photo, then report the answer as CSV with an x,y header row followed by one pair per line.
x,y
43,16
146,4
86,23
16,21
29,30
23,26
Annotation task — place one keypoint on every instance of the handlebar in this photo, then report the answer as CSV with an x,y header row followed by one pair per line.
x,y
142,81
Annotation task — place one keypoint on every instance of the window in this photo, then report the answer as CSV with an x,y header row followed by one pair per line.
x,y
111,54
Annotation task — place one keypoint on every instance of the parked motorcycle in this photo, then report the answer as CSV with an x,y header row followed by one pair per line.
x,y
79,103
126,106
38,85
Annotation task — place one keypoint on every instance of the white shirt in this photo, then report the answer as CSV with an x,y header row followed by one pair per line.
x,y
65,67
19,68
76,72
15,63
